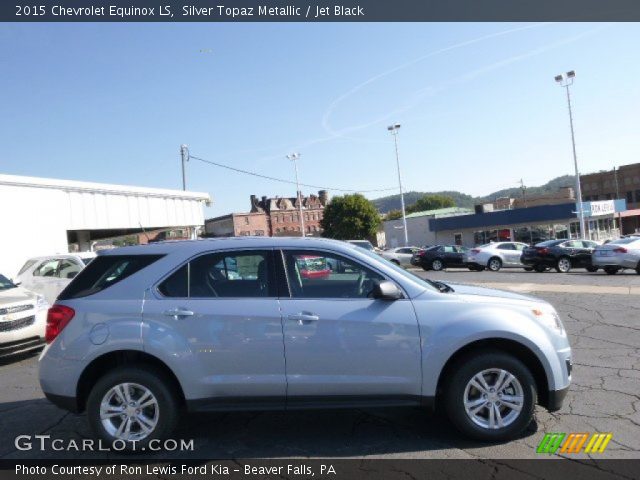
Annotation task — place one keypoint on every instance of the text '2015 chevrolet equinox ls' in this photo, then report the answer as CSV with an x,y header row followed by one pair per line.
x,y
145,332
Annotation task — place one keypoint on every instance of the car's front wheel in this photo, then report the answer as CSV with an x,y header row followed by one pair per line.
x,y
611,270
494,264
490,396
131,406
591,269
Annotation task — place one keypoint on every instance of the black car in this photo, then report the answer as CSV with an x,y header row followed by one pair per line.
x,y
563,255
439,257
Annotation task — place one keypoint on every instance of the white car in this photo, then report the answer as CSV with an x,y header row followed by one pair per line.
x,y
495,256
48,276
23,319
400,255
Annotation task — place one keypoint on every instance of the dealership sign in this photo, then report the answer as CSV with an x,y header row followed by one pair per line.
x,y
603,207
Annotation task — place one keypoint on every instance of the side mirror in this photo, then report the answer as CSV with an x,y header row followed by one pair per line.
x,y
386,290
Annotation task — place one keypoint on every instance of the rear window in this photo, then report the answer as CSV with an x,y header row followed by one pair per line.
x,y
26,266
104,272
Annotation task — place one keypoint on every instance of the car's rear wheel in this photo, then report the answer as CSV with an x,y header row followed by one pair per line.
x,y
592,269
611,270
395,261
494,264
638,268
437,265
539,268
490,396
528,269
563,265
131,406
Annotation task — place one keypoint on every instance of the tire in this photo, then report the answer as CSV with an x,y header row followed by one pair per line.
x,y
458,389
539,268
437,265
165,409
563,265
638,268
395,261
592,269
528,269
494,264
611,270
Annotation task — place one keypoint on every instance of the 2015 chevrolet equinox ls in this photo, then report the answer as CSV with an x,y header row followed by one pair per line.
x,y
264,323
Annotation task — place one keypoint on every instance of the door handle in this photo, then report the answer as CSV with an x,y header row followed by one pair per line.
x,y
304,318
176,313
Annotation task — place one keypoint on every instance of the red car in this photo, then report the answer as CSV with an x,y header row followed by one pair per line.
x,y
313,267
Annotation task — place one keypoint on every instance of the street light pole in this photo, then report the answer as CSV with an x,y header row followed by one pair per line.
x,y
394,131
184,154
566,80
294,157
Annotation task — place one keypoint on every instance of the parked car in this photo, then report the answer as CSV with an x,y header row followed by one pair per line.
x,y
400,255
366,244
495,256
49,275
311,266
23,318
618,255
415,258
563,255
440,257
146,331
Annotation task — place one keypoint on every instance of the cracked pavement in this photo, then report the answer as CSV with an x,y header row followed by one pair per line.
x,y
604,330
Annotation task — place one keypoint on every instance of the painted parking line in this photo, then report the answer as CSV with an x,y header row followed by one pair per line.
x,y
559,288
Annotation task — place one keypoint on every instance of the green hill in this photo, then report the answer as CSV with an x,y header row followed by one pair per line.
x,y
392,202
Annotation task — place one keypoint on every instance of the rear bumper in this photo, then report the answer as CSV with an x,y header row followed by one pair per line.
x,y
66,403
17,347
612,262
532,261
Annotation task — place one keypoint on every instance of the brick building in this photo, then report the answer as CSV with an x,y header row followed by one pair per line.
x,y
277,216
622,182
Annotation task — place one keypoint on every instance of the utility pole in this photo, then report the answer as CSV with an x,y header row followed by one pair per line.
x,y
184,154
615,176
566,80
524,192
394,131
294,157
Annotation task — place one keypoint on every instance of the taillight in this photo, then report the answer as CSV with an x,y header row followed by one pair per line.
x,y
542,250
420,253
58,317
475,250
620,250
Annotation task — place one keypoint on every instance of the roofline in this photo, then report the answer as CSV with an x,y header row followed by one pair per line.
x,y
90,187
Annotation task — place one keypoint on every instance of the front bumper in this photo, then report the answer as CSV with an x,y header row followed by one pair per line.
x,y
556,398
598,261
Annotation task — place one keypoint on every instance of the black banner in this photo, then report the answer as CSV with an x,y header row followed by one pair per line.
x,y
324,11
323,469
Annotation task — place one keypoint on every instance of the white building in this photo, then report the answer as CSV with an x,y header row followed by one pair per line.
x,y
42,216
418,230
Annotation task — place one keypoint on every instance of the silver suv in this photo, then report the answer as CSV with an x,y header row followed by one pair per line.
x,y
146,332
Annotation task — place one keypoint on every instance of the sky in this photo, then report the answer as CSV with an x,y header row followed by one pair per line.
x,y
479,108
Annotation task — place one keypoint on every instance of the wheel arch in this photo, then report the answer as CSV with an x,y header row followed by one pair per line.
x,y
512,347
102,364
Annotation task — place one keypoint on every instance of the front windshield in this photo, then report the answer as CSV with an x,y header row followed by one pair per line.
x,y
428,284
5,283
363,244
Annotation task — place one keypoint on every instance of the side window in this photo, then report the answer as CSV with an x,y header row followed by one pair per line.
x,y
47,269
26,266
68,269
506,246
588,244
315,274
449,249
519,246
224,275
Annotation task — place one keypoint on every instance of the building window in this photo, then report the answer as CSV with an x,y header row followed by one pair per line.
x,y
637,195
259,233
246,220
457,238
629,197
608,196
594,197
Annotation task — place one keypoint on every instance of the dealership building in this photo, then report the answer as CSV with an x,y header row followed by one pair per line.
x,y
43,216
530,225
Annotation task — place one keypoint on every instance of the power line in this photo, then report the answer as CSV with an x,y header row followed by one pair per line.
x,y
283,180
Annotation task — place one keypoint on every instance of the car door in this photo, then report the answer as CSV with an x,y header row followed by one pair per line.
x,y
508,253
219,313
340,342
461,255
588,247
450,256
404,255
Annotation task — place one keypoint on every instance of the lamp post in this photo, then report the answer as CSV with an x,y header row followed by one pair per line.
x,y
394,131
566,80
294,157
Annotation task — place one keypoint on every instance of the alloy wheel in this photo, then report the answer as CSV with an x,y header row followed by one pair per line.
x,y
495,264
437,265
493,398
564,265
129,411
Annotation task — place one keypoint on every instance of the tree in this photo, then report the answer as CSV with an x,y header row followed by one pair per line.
x,y
350,217
393,215
431,202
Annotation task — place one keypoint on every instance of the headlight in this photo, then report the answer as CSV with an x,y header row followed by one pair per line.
x,y
549,318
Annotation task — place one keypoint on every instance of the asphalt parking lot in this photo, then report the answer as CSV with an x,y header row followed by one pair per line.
x,y
600,312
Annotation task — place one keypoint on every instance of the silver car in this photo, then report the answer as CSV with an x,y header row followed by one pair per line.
x,y
618,255
146,331
495,256
400,255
